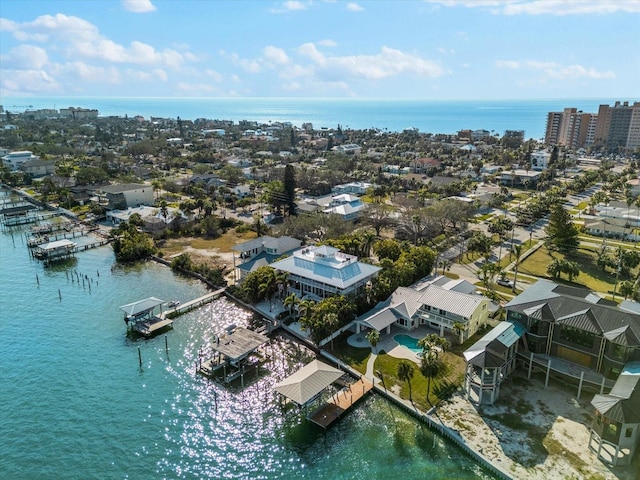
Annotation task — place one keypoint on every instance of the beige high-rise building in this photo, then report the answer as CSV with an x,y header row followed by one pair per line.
x,y
633,139
570,128
612,129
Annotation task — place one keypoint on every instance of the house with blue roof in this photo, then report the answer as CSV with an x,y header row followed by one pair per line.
x,y
317,272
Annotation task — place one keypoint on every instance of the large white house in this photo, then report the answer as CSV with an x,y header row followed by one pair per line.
x,y
439,304
322,271
122,196
14,160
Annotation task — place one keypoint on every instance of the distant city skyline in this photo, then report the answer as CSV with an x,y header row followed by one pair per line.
x,y
431,49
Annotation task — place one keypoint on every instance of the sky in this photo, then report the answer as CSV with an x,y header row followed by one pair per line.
x,y
423,49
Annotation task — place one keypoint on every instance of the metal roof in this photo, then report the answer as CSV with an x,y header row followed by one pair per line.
x,y
239,343
458,303
326,268
305,384
64,243
499,338
543,302
622,404
140,307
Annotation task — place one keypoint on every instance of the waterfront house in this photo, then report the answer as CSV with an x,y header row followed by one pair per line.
x,y
14,160
578,327
123,196
261,251
439,303
322,271
615,433
490,360
348,207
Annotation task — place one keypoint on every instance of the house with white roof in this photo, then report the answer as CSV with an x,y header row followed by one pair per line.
x,y
14,160
261,251
438,303
322,271
347,206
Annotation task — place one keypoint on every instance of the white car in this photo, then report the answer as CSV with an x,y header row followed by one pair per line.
x,y
505,282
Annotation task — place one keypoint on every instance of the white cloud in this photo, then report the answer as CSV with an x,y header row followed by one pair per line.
x,y
213,74
138,6
354,7
22,82
290,6
556,70
25,57
389,62
77,38
328,43
547,7
275,55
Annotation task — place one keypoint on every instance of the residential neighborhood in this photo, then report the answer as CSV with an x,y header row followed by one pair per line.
x,y
468,264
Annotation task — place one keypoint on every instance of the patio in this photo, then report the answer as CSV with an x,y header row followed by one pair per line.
x,y
390,345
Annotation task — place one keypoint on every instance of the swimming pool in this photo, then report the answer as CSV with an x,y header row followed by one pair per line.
x,y
409,342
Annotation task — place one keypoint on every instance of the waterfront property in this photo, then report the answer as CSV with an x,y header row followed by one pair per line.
x,y
231,354
577,326
261,251
306,387
323,271
141,319
56,250
615,433
444,304
122,196
490,360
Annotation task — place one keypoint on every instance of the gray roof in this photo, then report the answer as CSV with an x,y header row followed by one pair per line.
x,y
305,384
575,307
141,306
239,343
487,351
622,404
457,303
123,187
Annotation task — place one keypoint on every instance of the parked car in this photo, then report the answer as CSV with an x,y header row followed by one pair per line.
x,y
505,282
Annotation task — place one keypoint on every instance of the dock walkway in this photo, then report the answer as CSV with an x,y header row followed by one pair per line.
x,y
341,402
191,304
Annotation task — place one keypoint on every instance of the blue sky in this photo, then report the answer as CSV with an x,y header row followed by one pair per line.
x,y
430,49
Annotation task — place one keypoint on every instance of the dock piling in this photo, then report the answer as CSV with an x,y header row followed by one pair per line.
x,y
37,279
140,356
166,344
59,295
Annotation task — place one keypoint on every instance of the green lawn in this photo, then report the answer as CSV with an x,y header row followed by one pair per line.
x,y
453,373
356,357
591,276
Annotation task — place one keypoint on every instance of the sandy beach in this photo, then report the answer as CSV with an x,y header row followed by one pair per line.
x,y
533,432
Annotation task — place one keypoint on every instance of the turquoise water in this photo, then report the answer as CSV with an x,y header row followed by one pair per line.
x,y
77,405
434,116
409,342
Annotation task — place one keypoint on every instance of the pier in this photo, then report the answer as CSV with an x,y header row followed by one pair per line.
x,y
140,318
232,354
341,402
192,304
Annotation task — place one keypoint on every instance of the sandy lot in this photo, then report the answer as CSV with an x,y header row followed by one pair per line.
x,y
533,432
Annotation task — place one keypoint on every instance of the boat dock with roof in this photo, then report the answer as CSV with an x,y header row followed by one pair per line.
x,y
141,319
306,388
232,354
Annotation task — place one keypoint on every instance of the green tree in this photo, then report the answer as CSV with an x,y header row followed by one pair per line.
x,y
430,367
561,231
373,337
290,188
405,374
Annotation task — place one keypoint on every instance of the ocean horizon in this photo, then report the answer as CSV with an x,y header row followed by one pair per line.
x,y
394,115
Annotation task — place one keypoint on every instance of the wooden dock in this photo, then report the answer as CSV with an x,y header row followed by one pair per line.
x,y
191,304
340,402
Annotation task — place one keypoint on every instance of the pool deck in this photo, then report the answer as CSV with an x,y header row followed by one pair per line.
x,y
388,344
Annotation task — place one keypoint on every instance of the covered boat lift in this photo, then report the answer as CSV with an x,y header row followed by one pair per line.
x,y
139,316
231,352
306,386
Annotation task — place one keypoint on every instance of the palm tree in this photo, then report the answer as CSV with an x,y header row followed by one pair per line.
x,y
291,301
459,328
405,373
373,336
281,279
305,307
164,211
430,367
517,252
